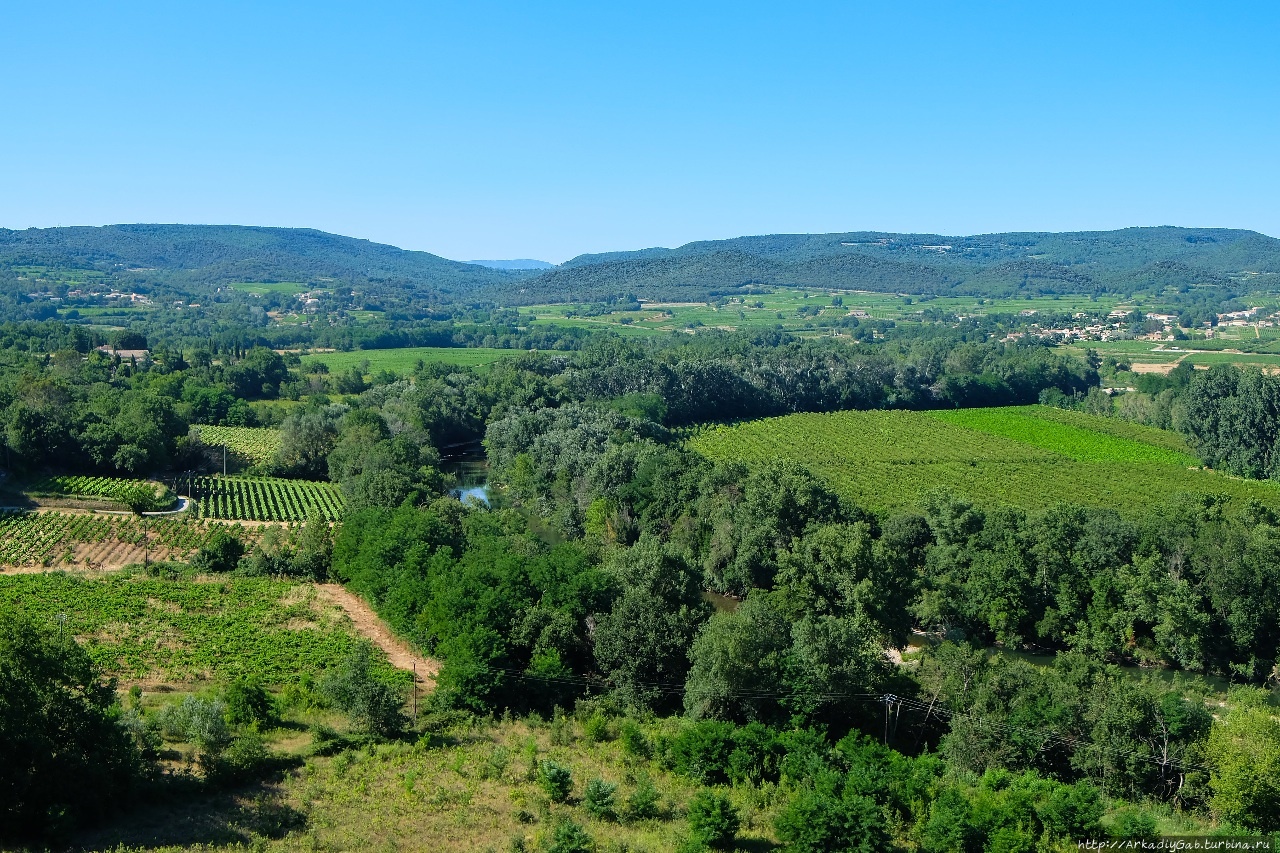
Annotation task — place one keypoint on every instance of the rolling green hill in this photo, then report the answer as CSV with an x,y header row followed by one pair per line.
x,y
199,257
210,255
1127,261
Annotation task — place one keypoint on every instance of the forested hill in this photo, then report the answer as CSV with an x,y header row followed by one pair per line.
x,y
1126,261
191,257
202,255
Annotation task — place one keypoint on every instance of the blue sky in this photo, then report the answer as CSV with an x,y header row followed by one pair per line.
x,y
501,130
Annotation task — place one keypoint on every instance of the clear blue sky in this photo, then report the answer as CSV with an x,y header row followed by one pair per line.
x,y
502,130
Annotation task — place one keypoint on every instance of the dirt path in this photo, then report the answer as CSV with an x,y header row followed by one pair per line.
x,y
369,625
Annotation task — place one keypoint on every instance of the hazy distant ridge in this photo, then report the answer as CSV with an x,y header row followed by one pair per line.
x,y
1124,261
219,254
515,264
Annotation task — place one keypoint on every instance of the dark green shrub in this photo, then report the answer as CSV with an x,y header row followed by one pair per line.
x,y
569,837
1134,824
643,802
249,702
815,823
596,728
712,819
246,758
805,753
1074,811
599,799
634,743
755,756
702,751
950,824
556,780
372,705
220,553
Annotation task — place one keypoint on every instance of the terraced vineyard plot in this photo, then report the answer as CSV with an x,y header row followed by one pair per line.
x,y
252,445
63,539
264,498
143,628
892,460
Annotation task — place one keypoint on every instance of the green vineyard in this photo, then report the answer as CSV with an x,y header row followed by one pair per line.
x,y
41,538
1080,439
263,498
251,445
1028,457
137,627
107,488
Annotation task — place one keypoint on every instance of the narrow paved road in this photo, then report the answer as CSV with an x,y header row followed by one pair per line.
x,y
369,625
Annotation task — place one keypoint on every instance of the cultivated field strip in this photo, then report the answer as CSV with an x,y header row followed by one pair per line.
x,y
253,445
62,539
109,488
263,498
889,461
1081,441
140,628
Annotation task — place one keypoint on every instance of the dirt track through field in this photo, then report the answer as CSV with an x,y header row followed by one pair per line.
x,y
370,626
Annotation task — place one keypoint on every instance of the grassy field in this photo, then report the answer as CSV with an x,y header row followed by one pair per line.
x,y
189,631
1150,352
793,309
404,360
1031,457
263,288
469,787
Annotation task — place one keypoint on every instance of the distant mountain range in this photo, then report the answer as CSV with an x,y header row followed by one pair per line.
x,y
1127,261
516,264
178,255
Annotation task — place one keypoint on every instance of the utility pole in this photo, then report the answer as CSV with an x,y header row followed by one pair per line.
x,y
415,692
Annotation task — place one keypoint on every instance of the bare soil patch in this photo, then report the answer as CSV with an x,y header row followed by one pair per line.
x,y
373,628
1163,368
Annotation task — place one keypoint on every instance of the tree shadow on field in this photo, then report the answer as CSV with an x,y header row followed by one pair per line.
x,y
187,814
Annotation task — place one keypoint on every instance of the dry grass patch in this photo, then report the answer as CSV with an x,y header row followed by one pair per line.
x,y
476,789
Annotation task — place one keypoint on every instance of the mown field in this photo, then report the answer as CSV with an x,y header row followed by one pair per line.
x,y
1031,457
175,631
404,360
